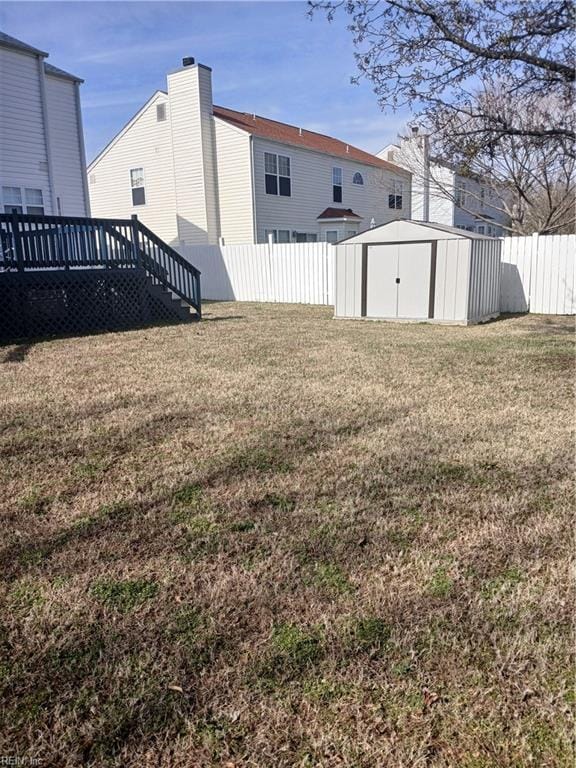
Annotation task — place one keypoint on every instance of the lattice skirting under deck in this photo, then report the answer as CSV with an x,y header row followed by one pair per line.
x,y
58,302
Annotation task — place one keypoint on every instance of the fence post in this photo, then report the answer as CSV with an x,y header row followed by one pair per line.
x,y
17,241
135,241
533,267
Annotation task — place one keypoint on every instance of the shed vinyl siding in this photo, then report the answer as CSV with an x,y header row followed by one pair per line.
x,y
145,144
348,290
67,160
234,167
311,190
23,156
464,274
484,288
452,259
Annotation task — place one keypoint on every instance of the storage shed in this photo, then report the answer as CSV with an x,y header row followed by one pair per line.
x,y
413,270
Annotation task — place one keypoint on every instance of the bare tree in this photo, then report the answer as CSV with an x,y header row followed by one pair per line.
x,y
492,84
427,54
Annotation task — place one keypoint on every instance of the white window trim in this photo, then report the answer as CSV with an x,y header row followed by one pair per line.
x,y
358,183
278,174
396,191
23,204
138,168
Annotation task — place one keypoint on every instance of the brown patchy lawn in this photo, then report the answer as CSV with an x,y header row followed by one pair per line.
x,y
274,539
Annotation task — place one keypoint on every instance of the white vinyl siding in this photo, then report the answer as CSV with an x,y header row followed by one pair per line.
x,y
23,157
145,144
192,125
311,180
67,159
234,184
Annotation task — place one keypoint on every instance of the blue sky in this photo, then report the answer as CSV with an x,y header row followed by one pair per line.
x,y
266,57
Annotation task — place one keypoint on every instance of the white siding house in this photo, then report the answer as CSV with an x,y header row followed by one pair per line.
x,y
42,161
210,173
440,194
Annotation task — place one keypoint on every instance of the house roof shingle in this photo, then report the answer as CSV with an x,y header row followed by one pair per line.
x,y
339,213
299,137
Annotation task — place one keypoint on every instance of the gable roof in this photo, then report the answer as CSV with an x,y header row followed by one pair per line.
x,y
299,137
339,213
401,228
7,41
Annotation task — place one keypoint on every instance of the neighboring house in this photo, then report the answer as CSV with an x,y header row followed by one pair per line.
x,y
194,173
440,194
42,160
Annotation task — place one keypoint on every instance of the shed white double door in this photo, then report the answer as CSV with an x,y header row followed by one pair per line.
x,y
398,280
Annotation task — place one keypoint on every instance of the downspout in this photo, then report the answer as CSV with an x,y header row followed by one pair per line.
x,y
82,149
41,75
253,179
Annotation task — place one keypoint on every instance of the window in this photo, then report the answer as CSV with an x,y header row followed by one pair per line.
x,y
278,235
337,185
277,175
460,196
137,184
480,229
160,113
358,179
34,201
331,235
395,197
12,197
351,233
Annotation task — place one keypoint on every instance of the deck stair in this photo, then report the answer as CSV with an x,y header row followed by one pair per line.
x,y
68,275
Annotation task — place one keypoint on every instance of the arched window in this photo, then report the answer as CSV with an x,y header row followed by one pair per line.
x,y
357,179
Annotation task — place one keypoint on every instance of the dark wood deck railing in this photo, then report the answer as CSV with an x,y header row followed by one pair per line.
x,y
31,242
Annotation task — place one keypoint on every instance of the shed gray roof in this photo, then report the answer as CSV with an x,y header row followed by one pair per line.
x,y
7,41
401,230
445,228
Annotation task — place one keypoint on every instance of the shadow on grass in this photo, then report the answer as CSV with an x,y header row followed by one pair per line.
x,y
18,354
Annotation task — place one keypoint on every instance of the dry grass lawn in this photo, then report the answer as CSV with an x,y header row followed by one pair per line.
x,y
276,540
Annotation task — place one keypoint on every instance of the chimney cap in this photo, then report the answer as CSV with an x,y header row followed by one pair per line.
x,y
188,61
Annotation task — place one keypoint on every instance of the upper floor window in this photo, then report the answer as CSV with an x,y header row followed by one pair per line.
x,y
395,196
160,113
34,201
277,174
358,179
12,197
460,196
137,184
331,235
337,185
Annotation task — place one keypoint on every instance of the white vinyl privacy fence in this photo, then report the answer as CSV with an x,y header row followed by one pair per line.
x,y
299,273
539,274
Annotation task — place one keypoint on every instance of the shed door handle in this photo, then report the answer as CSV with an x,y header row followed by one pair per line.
x,y
397,280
